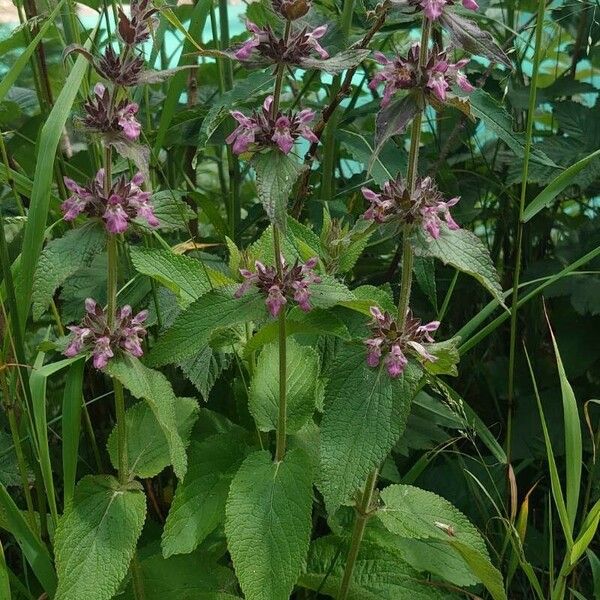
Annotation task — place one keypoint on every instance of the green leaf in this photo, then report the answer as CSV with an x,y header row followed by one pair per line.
x,y
463,250
337,63
556,186
268,523
96,538
171,211
4,577
203,369
276,174
155,389
34,551
190,577
329,292
147,446
50,136
186,277
192,329
586,534
447,356
62,258
9,468
199,503
379,573
365,414
392,120
302,364
496,118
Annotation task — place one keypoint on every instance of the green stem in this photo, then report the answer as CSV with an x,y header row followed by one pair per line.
x,y
362,517
137,578
113,267
539,29
282,414
121,431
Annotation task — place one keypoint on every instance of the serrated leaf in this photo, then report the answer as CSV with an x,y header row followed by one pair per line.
x,y
496,118
96,538
466,34
447,357
463,250
302,372
193,327
268,523
393,120
379,573
337,63
147,446
329,292
424,270
276,174
365,414
184,276
170,210
63,257
203,369
190,577
199,503
153,387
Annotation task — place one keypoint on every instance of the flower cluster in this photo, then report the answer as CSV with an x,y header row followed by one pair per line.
x,y
138,27
266,45
122,69
124,202
433,9
436,77
95,335
263,129
293,284
425,207
104,117
390,343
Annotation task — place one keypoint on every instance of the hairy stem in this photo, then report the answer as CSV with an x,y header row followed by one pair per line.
x,y
121,431
282,414
539,28
362,517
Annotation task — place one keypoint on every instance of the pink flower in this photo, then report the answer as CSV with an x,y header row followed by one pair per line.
x,y
433,8
313,36
434,215
275,300
115,215
437,80
258,35
282,136
395,361
470,4
397,74
77,341
102,352
127,121
244,134
374,351
76,203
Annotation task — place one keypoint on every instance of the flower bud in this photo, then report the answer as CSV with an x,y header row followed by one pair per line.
x,y
292,9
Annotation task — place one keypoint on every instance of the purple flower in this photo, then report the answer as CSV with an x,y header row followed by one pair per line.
x,y
95,336
124,202
264,130
312,38
390,342
425,207
433,9
293,284
127,121
397,74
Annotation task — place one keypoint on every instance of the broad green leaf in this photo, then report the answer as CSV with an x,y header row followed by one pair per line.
x,y
379,573
447,358
203,369
365,414
276,174
392,120
190,577
463,250
191,331
496,118
302,372
483,569
337,63
556,186
50,135
147,446
34,551
171,211
199,503
268,523
186,277
63,257
329,292
155,389
96,538
573,443
307,242
411,512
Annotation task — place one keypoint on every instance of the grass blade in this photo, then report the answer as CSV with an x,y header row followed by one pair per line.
x,y
4,580
556,186
557,493
71,426
42,182
34,551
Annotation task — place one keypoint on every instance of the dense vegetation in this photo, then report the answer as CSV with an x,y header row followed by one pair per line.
x,y
300,300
